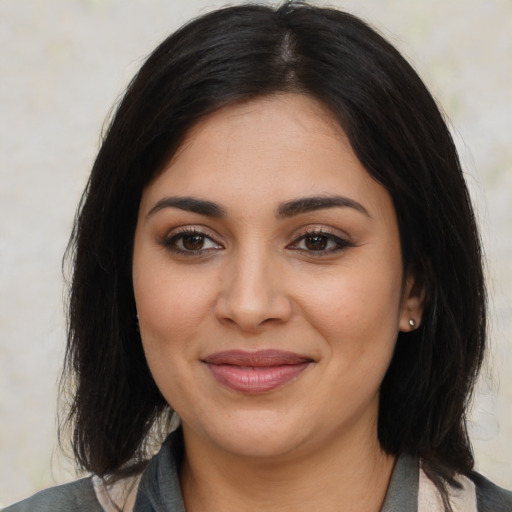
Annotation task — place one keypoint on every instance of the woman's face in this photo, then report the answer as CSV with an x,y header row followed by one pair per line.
x,y
268,279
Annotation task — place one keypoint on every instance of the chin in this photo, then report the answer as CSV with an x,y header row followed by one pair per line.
x,y
255,436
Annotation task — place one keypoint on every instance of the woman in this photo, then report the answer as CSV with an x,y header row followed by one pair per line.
x,y
276,243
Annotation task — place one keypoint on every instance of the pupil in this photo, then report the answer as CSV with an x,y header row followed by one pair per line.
x,y
316,242
193,242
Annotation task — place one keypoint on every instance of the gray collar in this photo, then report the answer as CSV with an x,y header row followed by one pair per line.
x,y
402,495
159,489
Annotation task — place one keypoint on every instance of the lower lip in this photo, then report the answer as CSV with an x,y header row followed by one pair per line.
x,y
256,379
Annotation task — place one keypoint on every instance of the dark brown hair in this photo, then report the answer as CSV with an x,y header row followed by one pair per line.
x,y
398,134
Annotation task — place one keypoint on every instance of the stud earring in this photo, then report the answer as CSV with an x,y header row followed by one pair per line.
x,y
412,323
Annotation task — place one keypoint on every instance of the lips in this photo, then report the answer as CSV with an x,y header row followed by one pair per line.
x,y
256,372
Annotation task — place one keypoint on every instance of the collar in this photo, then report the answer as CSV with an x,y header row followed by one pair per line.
x,y
159,490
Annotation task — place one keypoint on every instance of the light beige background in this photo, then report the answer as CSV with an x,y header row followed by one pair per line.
x,y
62,65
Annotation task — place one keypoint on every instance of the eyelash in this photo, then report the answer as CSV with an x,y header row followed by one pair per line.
x,y
171,243
340,243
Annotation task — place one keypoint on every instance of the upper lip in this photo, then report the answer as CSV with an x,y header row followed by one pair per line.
x,y
262,358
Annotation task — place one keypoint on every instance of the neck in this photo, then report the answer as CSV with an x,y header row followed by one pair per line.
x,y
336,478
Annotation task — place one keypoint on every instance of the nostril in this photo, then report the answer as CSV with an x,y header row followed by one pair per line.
x,y
253,314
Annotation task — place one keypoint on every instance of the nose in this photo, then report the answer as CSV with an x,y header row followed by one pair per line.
x,y
253,293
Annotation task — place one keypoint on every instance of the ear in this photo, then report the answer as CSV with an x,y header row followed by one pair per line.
x,y
412,304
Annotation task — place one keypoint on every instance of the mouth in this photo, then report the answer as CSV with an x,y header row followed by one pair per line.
x,y
256,372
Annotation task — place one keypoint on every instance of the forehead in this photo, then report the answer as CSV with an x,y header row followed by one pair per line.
x,y
267,150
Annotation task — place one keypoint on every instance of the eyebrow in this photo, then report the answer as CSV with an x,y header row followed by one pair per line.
x,y
285,210
309,204
189,204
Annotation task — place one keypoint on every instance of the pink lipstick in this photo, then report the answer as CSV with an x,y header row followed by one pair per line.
x,y
256,372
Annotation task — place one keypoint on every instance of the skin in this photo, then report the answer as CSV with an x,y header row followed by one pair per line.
x,y
326,283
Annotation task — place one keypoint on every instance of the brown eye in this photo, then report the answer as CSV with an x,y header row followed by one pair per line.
x,y
193,242
320,243
190,243
316,242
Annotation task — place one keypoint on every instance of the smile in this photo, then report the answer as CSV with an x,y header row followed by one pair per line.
x,y
256,372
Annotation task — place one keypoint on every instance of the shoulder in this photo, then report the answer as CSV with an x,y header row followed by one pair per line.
x,y
490,497
474,493
77,496
159,481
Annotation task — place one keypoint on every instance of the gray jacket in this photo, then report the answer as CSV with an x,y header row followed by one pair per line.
x,y
159,489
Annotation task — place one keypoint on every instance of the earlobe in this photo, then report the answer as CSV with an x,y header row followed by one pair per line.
x,y
412,305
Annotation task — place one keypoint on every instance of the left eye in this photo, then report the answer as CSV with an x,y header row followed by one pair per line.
x,y
319,242
190,242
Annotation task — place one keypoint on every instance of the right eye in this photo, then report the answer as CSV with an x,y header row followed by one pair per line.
x,y
190,242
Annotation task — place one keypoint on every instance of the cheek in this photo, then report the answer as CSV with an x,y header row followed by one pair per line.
x,y
356,302
357,313
172,308
172,305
